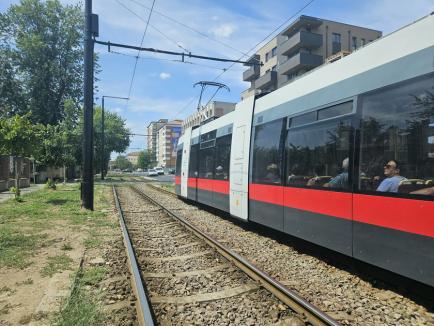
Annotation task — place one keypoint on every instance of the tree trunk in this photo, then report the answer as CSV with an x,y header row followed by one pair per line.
x,y
17,180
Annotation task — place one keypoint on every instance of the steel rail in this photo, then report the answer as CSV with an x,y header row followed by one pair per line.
x,y
171,193
145,313
314,315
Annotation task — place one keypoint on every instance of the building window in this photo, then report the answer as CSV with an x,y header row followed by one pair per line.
x,y
274,51
267,56
362,42
336,43
354,45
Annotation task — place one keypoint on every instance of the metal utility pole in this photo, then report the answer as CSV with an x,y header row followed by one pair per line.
x,y
103,133
90,30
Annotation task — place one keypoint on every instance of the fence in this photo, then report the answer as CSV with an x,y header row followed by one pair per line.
x,y
7,171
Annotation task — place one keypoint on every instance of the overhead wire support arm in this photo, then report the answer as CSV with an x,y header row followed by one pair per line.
x,y
182,54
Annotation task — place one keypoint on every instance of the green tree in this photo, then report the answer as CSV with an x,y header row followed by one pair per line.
x,y
116,135
41,42
144,160
122,163
18,137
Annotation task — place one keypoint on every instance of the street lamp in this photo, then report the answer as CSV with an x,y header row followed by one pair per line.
x,y
102,131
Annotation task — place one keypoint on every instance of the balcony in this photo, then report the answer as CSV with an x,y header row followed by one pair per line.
x,y
305,22
251,74
300,61
266,81
299,40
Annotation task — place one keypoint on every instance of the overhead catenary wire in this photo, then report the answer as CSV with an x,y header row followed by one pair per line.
x,y
253,48
181,54
170,60
190,28
152,26
138,53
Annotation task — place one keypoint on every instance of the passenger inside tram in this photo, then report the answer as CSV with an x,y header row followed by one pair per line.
x,y
393,179
220,173
319,178
272,175
341,180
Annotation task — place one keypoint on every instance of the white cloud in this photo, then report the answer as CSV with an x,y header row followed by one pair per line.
x,y
224,30
165,75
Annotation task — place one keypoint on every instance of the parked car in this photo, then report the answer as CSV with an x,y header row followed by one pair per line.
x,y
152,173
171,171
159,170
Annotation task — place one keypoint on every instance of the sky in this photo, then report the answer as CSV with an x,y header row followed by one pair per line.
x,y
162,86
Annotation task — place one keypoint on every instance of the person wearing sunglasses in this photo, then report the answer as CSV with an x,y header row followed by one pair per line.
x,y
391,183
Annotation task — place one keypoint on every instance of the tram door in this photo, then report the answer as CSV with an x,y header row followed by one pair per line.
x,y
185,161
193,170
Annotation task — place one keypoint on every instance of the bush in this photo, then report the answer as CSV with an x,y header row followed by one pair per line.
x,y
51,184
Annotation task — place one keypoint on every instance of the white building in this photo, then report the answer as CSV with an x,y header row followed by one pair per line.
x,y
213,110
167,140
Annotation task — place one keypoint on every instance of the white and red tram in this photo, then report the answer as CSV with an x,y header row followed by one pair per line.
x,y
275,158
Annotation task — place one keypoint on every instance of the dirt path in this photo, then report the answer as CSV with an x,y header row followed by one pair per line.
x,y
30,295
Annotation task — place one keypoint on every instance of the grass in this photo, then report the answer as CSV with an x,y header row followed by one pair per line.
x,y
56,264
22,224
168,186
66,247
25,228
93,275
16,248
81,309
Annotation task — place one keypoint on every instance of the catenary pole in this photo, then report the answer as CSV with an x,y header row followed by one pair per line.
x,y
87,183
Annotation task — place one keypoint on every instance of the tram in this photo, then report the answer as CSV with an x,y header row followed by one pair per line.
x,y
312,158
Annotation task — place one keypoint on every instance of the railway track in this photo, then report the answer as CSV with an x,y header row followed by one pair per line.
x,y
193,278
161,189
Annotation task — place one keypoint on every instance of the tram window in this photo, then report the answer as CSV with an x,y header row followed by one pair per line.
x,y
319,155
335,110
303,119
398,124
206,163
222,157
267,152
178,162
193,168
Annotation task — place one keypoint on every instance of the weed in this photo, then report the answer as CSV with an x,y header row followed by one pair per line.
x,y
51,184
81,310
56,264
92,242
66,246
17,193
93,275
25,282
6,289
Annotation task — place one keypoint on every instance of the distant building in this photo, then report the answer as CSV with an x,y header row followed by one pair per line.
x,y
302,46
152,130
167,140
133,157
213,110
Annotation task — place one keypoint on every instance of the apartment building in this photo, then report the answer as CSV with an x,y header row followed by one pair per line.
x,y
167,140
213,110
133,157
152,131
305,44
